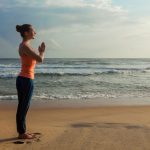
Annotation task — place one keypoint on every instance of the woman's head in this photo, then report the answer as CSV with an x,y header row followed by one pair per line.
x,y
26,31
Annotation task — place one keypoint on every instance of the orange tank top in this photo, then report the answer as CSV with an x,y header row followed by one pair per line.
x,y
27,66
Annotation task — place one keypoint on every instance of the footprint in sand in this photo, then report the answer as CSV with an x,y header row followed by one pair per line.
x,y
37,136
18,142
28,142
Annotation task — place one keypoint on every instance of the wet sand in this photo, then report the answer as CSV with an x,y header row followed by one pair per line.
x,y
77,128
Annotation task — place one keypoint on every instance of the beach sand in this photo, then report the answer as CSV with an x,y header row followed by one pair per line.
x,y
84,128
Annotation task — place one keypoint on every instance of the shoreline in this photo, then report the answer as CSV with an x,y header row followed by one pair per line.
x,y
81,103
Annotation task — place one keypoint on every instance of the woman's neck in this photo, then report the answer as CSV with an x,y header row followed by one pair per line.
x,y
26,41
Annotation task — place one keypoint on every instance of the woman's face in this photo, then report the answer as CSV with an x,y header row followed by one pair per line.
x,y
31,33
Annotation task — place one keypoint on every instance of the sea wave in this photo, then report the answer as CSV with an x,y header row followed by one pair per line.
x,y
60,97
2,66
8,97
8,75
41,73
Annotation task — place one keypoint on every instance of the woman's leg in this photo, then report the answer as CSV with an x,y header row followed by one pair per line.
x,y
24,90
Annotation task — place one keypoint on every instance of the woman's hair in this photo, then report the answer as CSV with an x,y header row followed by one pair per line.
x,y
23,28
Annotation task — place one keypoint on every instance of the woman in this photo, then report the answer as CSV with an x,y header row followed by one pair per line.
x,y
24,80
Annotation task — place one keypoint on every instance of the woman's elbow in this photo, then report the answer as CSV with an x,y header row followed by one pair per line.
x,y
40,60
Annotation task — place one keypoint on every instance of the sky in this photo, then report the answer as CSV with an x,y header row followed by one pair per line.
x,y
78,28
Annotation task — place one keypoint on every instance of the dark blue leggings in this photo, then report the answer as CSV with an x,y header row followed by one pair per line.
x,y
24,88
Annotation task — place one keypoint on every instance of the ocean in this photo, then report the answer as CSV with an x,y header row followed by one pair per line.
x,y
80,78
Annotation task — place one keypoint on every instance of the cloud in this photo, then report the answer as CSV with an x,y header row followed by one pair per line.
x,y
80,28
59,15
102,4
65,11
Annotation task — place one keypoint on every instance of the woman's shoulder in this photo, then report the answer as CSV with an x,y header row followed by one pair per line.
x,y
23,46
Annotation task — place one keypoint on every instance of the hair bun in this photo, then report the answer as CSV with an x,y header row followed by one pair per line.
x,y
18,28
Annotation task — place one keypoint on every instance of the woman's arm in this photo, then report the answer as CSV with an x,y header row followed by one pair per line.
x,y
30,52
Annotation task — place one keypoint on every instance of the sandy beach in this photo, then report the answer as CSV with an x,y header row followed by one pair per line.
x,y
84,128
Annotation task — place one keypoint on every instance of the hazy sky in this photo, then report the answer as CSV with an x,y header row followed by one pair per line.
x,y
79,28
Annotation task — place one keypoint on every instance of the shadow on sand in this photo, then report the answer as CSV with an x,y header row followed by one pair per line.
x,y
12,139
108,125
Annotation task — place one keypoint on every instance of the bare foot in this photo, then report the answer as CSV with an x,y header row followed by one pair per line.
x,y
30,133
25,136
